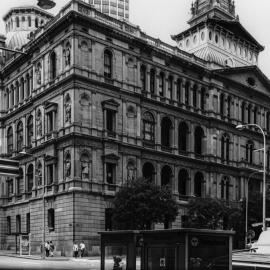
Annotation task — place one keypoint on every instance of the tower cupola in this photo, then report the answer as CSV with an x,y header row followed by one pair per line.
x,y
218,9
216,35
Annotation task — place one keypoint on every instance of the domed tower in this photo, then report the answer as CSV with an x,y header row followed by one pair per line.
x,y
217,36
20,22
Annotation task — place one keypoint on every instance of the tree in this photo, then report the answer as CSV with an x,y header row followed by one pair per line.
x,y
209,213
141,203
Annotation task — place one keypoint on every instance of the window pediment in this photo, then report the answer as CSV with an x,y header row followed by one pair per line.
x,y
110,104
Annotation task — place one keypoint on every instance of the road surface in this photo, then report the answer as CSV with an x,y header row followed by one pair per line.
x,y
14,263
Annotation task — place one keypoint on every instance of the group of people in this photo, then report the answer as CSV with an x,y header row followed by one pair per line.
x,y
78,249
49,248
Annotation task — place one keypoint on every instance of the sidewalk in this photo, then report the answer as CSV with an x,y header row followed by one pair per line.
x,y
11,253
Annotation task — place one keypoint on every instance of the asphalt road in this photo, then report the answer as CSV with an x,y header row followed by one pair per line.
x,y
14,263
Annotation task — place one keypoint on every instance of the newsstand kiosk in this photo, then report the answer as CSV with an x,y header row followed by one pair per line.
x,y
181,249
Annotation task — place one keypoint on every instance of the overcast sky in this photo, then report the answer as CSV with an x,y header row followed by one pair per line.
x,y
162,18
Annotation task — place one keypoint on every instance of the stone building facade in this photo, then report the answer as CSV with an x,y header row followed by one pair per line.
x,y
94,102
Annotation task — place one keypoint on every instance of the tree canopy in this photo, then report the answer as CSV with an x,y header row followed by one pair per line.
x,y
141,203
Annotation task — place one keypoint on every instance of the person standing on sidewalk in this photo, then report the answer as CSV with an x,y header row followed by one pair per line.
x,y
82,248
75,249
47,249
51,248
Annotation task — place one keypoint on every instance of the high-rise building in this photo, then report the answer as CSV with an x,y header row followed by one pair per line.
x,y
94,102
118,9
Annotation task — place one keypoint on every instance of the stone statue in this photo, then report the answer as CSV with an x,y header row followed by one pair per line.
x,y
67,56
39,124
67,112
67,165
38,73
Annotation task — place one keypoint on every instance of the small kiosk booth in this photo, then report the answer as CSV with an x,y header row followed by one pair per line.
x,y
181,249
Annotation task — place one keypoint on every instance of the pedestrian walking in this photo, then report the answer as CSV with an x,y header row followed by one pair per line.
x,y
47,248
75,249
82,248
51,248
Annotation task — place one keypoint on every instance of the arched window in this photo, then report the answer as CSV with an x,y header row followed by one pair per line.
x,y
178,90
229,101
30,131
170,87
36,22
17,88
53,65
10,140
28,85
225,147
143,77
7,98
161,84
187,85
199,135
198,184
243,112
19,136
195,89
166,175
148,171
22,89
108,64
85,166
202,99
148,127
183,182
12,95
249,113
221,104
166,129
183,136
225,188
249,152
17,22
30,178
255,115
152,81
19,186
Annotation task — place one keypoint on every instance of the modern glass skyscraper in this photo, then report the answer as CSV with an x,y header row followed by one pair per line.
x,y
118,9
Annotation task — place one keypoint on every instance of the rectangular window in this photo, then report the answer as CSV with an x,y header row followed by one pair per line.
x,y
51,219
49,174
110,122
8,225
170,87
50,122
9,187
110,173
108,219
28,224
18,224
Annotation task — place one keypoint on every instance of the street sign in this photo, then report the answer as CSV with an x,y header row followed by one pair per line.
x,y
250,234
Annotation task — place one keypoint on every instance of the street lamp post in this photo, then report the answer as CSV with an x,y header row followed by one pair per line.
x,y
240,127
246,222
